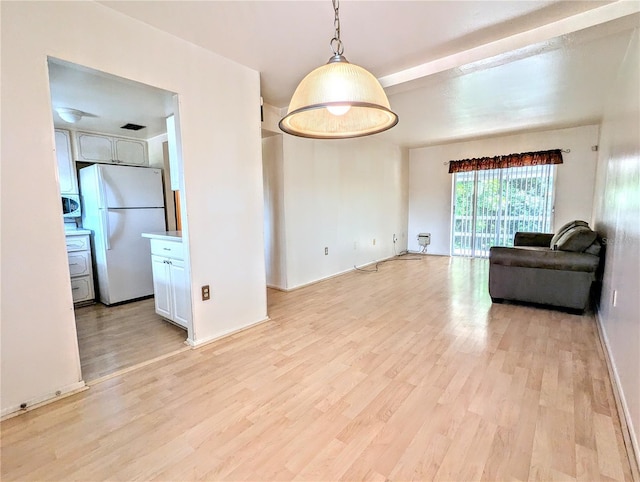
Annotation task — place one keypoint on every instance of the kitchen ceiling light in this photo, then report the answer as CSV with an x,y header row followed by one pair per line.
x,y
69,115
338,100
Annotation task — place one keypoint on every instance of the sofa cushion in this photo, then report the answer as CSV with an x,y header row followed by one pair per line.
x,y
543,258
564,229
595,248
576,239
522,238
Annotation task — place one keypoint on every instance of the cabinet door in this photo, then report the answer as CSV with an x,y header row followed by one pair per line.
x,y
180,295
66,167
161,286
94,148
131,152
82,289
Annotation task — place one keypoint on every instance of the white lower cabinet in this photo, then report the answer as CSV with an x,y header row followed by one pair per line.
x,y
82,289
80,269
161,285
179,293
170,285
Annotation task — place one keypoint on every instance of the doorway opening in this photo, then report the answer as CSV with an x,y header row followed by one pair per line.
x,y
119,161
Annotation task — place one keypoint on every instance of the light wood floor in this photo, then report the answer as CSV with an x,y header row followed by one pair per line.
x,y
408,373
111,338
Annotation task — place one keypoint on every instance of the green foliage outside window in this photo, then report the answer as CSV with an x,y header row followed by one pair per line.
x,y
517,199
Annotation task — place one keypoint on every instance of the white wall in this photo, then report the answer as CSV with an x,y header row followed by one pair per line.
x,y
220,123
336,194
274,227
341,195
430,184
430,198
617,217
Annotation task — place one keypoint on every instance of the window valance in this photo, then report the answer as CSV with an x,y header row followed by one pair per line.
x,y
553,156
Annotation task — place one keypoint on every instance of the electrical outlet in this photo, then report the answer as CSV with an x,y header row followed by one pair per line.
x,y
205,293
394,238
374,241
326,251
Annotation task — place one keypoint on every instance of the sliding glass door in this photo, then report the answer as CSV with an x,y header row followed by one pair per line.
x,y
490,206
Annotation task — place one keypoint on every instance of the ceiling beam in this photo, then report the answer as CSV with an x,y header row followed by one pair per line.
x,y
545,33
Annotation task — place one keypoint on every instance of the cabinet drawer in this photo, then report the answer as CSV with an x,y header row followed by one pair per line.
x,y
169,249
82,289
79,263
78,243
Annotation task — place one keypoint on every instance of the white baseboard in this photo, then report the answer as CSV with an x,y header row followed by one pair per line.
x,y
428,254
628,431
274,287
335,275
319,280
50,397
219,336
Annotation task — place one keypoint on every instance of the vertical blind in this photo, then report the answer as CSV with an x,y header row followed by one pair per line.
x,y
490,206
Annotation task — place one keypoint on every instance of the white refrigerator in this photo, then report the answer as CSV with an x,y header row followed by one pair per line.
x,y
119,203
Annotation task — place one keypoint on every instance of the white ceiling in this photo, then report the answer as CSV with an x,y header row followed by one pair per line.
x,y
551,80
560,86
109,101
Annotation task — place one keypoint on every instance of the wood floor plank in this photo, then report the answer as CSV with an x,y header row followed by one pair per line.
x,y
607,449
410,373
112,338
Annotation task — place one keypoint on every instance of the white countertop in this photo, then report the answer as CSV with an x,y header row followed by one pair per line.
x,y
166,235
76,232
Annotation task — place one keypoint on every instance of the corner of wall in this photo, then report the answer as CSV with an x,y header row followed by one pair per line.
x,y
615,216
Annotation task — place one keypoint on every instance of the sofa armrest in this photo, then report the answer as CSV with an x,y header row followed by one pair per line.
x,y
543,258
532,239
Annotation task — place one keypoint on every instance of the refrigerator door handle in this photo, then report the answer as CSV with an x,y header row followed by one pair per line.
x,y
104,224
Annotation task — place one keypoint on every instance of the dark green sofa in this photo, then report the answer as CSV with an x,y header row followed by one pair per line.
x,y
557,270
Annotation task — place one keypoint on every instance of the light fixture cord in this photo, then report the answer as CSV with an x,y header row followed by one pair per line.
x,y
336,43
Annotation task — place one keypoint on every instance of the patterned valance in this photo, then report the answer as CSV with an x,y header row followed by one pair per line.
x,y
502,162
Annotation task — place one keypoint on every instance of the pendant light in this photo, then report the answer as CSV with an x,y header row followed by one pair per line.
x,y
339,100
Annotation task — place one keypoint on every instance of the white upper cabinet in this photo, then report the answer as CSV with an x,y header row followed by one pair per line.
x,y
94,148
110,149
130,152
66,166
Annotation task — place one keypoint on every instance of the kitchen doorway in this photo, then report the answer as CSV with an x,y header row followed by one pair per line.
x,y
119,159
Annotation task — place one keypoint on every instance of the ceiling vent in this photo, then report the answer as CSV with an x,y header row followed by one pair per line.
x,y
133,127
